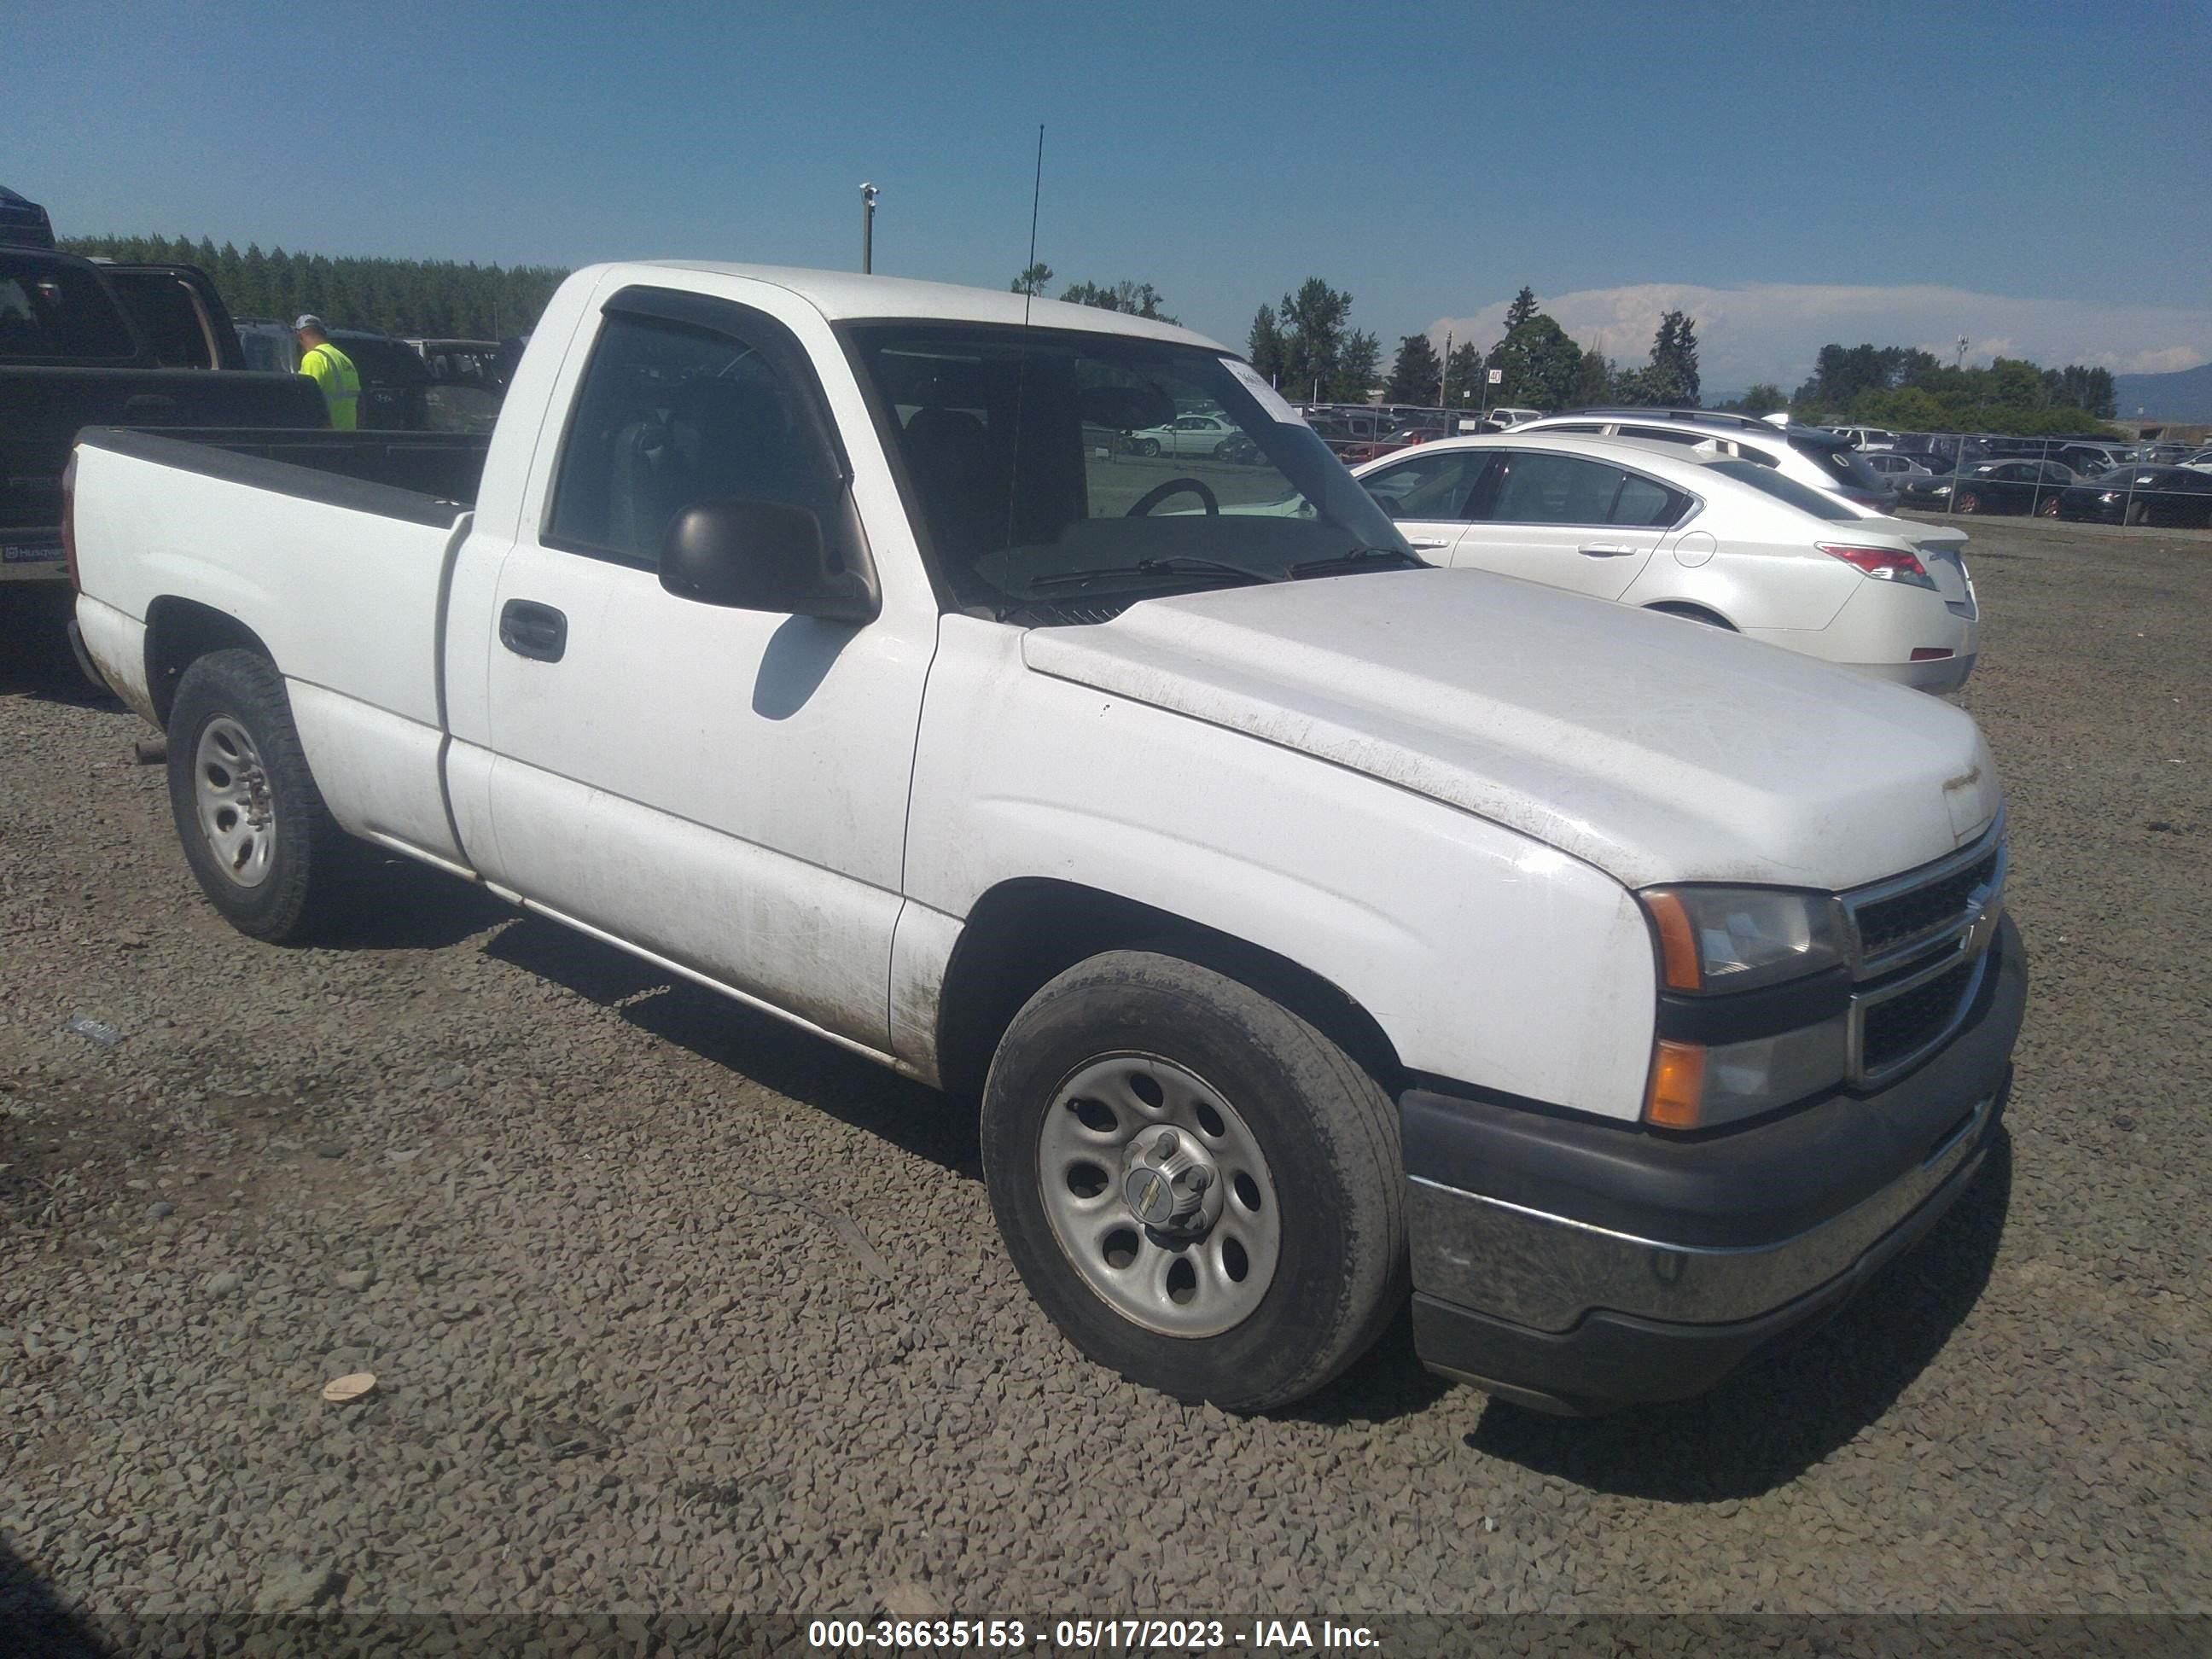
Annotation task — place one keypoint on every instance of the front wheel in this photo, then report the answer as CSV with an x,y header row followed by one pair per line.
x,y
259,840
1201,1190
1966,501
1148,447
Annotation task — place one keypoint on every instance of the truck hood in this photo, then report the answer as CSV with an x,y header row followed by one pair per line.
x,y
1657,750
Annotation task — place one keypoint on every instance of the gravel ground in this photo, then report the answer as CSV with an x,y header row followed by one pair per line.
x,y
671,1308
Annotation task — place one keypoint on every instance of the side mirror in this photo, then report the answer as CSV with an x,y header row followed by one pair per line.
x,y
761,555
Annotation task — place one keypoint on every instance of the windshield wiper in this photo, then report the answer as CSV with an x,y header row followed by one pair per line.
x,y
1355,559
1177,565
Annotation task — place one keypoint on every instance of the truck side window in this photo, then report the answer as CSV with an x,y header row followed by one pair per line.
x,y
669,415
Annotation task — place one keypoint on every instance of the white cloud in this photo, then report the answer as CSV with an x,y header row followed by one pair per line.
x,y
1770,331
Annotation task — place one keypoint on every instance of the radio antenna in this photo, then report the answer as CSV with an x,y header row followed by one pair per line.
x,y
1037,196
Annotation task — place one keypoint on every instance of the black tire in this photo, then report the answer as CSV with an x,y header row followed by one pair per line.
x,y
1148,447
1329,1135
1966,501
310,861
2138,513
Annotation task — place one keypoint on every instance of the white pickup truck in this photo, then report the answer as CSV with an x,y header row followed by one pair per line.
x,y
1307,921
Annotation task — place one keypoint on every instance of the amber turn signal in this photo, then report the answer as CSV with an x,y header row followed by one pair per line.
x,y
1677,1095
1678,941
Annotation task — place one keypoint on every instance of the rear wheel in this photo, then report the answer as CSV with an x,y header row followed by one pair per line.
x,y
1200,1189
2047,507
1696,614
259,840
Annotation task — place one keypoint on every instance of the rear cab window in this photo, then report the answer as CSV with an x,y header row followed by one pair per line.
x,y
49,309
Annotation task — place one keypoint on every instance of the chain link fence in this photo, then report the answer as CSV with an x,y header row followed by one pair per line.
x,y
2125,482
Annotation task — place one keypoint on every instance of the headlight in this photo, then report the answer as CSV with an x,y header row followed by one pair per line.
x,y
1706,1068
1733,938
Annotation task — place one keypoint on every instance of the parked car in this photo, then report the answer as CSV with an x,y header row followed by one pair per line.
x,y
1725,541
466,384
1505,417
73,353
1865,437
1898,467
1811,455
2089,459
1650,989
1211,435
2176,496
1993,487
23,222
2201,459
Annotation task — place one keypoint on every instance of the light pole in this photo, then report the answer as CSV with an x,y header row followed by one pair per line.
x,y
867,228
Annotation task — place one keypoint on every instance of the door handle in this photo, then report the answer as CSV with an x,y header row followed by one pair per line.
x,y
1425,544
533,630
149,406
1604,550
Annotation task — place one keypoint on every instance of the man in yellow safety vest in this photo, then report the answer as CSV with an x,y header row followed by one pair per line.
x,y
330,369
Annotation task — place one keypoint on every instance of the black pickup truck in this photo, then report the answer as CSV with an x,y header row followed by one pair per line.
x,y
83,343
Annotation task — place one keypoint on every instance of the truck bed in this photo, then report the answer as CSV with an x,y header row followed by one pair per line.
x,y
43,408
331,549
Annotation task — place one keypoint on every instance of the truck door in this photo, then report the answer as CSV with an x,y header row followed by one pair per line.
x,y
724,788
1566,521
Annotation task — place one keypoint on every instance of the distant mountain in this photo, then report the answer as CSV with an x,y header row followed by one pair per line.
x,y
2183,395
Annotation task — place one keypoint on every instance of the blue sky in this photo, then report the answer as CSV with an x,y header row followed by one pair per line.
x,y
2031,175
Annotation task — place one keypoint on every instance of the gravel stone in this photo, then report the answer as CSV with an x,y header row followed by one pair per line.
x,y
610,1378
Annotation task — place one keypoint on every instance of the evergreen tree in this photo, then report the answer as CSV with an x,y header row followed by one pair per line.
x,y
1415,373
1356,366
1593,379
1263,347
1463,377
1033,281
1312,323
1522,309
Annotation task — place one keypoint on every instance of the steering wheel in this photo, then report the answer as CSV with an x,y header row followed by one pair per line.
x,y
1152,497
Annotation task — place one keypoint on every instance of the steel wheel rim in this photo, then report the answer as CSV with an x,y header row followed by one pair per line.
x,y
230,793
1197,1280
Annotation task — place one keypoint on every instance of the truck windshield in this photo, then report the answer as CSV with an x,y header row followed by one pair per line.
x,y
1042,457
52,309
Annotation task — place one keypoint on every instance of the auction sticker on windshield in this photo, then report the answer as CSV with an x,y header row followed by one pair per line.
x,y
1270,399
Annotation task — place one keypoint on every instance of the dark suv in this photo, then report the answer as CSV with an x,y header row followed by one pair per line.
x,y
24,222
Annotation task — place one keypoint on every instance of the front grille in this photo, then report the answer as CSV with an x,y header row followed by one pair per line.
x,y
1893,1031
1887,923
1919,948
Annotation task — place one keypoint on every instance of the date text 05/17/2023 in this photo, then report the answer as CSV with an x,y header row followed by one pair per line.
x,y
1089,1635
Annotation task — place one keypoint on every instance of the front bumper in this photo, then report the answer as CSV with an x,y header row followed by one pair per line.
x,y
1579,1267
1944,674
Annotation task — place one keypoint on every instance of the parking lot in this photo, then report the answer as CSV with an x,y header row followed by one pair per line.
x,y
673,1308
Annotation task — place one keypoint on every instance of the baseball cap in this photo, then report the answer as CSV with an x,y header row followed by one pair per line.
x,y
308,320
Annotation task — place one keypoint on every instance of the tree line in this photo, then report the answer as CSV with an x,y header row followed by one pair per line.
x,y
1308,347
418,297
1906,389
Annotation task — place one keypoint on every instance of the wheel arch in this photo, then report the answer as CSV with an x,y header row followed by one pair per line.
x,y
1024,932
179,632
1691,611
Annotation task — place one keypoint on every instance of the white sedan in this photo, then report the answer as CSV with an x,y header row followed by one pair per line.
x,y
1718,539
1191,435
